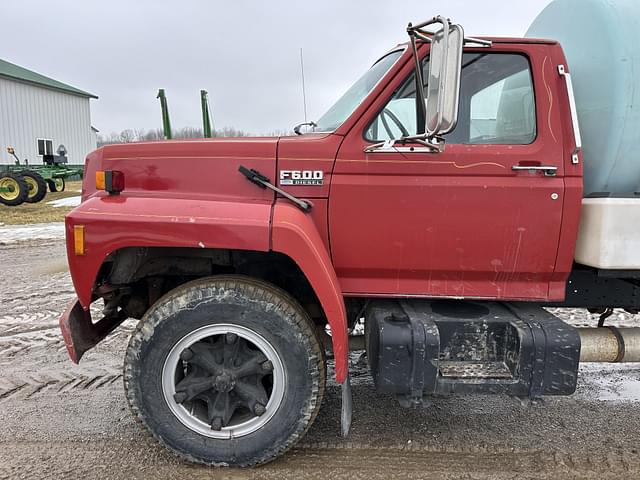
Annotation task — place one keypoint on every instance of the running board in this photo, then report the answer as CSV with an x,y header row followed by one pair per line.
x,y
474,370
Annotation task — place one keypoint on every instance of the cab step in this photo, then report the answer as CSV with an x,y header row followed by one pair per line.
x,y
454,369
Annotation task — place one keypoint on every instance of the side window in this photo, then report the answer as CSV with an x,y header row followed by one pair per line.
x,y
45,147
497,104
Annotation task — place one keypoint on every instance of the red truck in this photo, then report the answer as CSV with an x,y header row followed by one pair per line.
x,y
439,200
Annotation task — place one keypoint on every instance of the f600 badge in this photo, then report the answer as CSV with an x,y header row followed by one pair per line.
x,y
301,177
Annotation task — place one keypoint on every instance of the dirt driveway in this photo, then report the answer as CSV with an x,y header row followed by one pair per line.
x,y
59,420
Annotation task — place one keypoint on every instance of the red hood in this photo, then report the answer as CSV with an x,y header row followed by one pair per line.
x,y
206,168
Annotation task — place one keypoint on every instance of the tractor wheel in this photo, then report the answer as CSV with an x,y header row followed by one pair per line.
x,y
56,185
36,184
225,371
13,189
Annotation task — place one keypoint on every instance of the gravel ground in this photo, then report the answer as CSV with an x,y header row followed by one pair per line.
x,y
60,420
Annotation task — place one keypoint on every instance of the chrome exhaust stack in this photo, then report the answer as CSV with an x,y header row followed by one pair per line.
x,y
610,344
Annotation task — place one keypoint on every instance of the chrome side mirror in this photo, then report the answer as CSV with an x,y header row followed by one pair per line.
x,y
443,86
437,108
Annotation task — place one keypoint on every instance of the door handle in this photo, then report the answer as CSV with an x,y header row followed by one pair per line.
x,y
548,170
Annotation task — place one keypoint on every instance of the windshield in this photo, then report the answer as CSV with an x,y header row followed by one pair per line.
x,y
354,96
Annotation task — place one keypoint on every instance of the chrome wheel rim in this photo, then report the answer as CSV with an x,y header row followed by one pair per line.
x,y
223,381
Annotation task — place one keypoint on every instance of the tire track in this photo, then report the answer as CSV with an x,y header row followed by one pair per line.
x,y
56,382
18,339
120,459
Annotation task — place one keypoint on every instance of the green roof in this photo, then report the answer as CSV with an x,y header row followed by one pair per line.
x,y
9,70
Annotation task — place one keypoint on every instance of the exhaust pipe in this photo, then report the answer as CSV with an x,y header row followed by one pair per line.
x,y
610,344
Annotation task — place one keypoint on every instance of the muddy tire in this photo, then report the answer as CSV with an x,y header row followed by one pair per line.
x,y
56,185
13,189
36,184
225,371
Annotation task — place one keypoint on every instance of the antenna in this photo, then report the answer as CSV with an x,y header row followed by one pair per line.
x,y
304,93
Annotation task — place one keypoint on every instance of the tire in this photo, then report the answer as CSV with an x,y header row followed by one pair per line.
x,y
56,185
13,189
166,355
36,184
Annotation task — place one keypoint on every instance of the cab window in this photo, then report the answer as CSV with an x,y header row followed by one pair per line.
x,y
497,103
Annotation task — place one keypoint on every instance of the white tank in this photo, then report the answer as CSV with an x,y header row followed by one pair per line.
x,y
601,40
608,236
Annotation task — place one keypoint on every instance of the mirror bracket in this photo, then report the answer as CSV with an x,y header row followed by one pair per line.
x,y
427,36
433,145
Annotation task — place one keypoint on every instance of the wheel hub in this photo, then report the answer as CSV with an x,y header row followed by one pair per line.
x,y
9,188
223,381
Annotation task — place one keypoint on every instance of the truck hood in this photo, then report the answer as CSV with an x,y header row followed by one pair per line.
x,y
198,169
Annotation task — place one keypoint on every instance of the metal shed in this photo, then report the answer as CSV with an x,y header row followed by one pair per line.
x,y
38,113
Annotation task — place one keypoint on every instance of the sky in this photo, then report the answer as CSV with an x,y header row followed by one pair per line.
x,y
246,54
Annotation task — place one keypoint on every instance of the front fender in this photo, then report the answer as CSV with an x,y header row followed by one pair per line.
x,y
111,223
295,235
115,222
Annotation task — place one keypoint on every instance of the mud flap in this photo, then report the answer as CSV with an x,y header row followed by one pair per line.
x,y
80,333
347,407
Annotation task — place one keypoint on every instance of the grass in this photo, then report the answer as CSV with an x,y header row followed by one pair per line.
x,y
40,212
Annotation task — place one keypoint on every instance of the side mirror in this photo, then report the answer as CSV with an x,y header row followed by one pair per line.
x,y
439,111
443,86
437,108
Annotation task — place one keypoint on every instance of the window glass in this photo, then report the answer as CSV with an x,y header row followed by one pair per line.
x,y
496,103
345,106
45,147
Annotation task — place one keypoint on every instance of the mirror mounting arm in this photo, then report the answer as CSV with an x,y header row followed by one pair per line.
x,y
423,140
421,113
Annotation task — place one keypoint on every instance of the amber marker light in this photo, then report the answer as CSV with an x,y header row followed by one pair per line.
x,y
111,181
100,181
78,239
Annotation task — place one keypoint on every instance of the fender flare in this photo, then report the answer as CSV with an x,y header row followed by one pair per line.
x,y
294,234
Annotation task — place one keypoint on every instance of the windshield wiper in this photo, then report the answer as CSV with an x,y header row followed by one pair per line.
x,y
260,180
297,128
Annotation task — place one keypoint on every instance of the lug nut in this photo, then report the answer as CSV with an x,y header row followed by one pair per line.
x,y
180,397
230,338
186,355
216,424
267,366
259,409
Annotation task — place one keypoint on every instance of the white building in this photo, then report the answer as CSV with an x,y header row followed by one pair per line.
x,y
37,114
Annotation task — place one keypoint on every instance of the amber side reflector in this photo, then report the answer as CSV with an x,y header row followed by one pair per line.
x,y
100,181
78,239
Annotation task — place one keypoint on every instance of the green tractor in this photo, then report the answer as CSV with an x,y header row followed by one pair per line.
x,y
28,183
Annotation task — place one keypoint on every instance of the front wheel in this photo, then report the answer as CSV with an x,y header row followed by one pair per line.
x,y
226,370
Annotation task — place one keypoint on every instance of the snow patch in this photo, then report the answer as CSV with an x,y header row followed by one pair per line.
x,y
609,382
36,231
66,202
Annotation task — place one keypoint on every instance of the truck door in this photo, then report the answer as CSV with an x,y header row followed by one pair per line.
x,y
481,219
